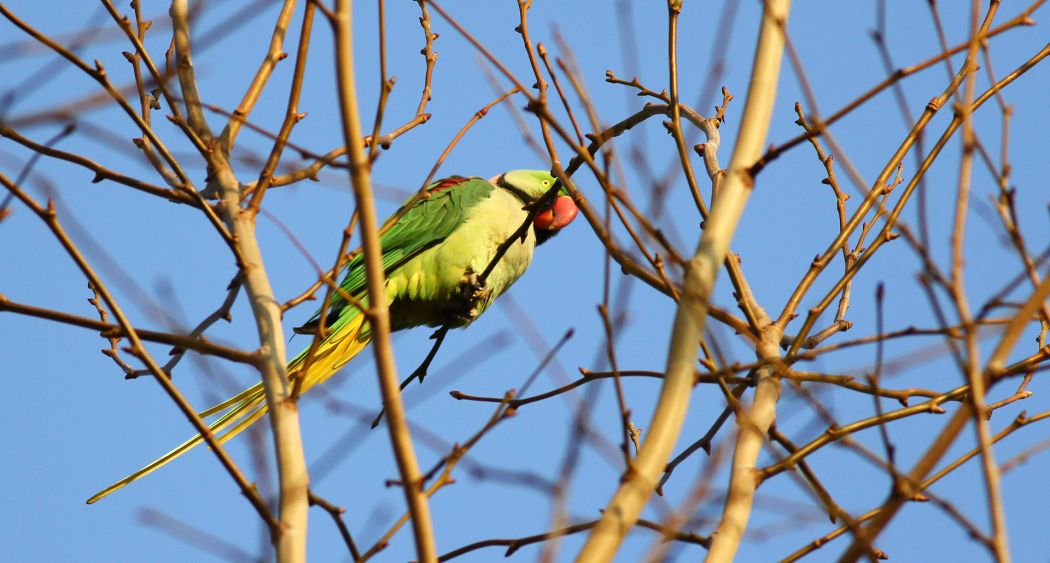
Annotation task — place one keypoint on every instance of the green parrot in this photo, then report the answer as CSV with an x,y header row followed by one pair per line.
x,y
433,253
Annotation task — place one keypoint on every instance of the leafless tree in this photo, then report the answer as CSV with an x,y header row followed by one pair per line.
x,y
799,341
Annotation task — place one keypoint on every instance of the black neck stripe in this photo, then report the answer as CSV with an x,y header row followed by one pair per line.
x,y
518,192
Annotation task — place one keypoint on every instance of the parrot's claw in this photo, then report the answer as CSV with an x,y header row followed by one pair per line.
x,y
474,293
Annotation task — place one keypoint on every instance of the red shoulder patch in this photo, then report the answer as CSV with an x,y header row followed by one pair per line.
x,y
445,184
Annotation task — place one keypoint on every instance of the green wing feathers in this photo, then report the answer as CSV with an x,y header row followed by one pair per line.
x,y
421,225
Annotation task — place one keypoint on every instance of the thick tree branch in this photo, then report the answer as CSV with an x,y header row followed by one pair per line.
x,y
641,478
290,541
378,313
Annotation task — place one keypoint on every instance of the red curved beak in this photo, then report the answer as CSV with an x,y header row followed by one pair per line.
x,y
560,214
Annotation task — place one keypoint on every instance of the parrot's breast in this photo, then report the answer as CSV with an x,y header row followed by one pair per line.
x,y
439,286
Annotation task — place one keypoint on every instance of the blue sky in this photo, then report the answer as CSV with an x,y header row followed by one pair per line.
x,y
74,424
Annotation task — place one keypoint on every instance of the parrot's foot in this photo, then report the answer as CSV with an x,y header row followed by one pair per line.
x,y
474,293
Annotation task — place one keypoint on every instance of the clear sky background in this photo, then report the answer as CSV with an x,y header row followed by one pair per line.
x,y
73,424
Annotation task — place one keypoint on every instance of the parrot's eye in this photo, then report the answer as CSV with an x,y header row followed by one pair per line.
x,y
546,182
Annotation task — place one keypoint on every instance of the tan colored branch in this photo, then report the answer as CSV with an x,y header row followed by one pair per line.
x,y
160,80
291,116
977,397
951,431
274,54
886,232
193,341
49,216
184,68
755,424
895,77
674,8
101,172
641,478
378,313
284,413
290,540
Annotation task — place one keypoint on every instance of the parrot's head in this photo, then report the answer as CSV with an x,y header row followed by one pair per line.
x,y
530,186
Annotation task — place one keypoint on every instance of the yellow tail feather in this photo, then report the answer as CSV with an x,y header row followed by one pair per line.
x,y
231,401
248,406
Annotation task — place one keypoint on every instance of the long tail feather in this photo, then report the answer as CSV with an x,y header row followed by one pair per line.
x,y
245,408
253,398
238,398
